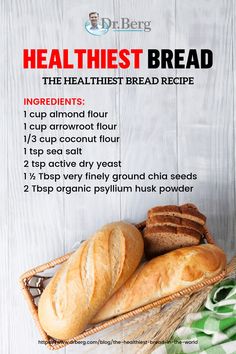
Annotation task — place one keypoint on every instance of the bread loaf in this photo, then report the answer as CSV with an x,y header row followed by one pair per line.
x,y
88,278
163,276
170,227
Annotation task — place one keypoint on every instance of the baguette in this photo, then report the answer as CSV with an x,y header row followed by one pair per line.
x,y
163,276
88,278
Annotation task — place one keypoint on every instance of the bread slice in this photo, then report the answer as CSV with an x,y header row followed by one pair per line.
x,y
161,220
162,239
186,211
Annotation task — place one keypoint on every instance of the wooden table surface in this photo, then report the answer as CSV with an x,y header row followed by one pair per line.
x,y
169,129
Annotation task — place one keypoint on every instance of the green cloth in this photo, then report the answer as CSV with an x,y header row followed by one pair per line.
x,y
210,331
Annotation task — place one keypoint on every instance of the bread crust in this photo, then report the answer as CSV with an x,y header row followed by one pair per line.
x,y
176,230
163,276
88,278
168,220
184,211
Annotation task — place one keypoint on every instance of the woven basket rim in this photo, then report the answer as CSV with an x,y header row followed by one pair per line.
x,y
55,345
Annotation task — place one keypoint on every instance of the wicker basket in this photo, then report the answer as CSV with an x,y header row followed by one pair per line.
x,y
53,344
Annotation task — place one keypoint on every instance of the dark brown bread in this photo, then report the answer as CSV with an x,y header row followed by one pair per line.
x,y
186,211
190,205
161,239
167,220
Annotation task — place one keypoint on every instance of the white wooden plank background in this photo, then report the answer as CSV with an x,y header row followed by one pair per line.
x,y
168,129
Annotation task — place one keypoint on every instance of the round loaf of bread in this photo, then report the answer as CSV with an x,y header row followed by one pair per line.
x,y
88,278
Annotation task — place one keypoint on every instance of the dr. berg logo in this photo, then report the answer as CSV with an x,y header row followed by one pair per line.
x,y
99,26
